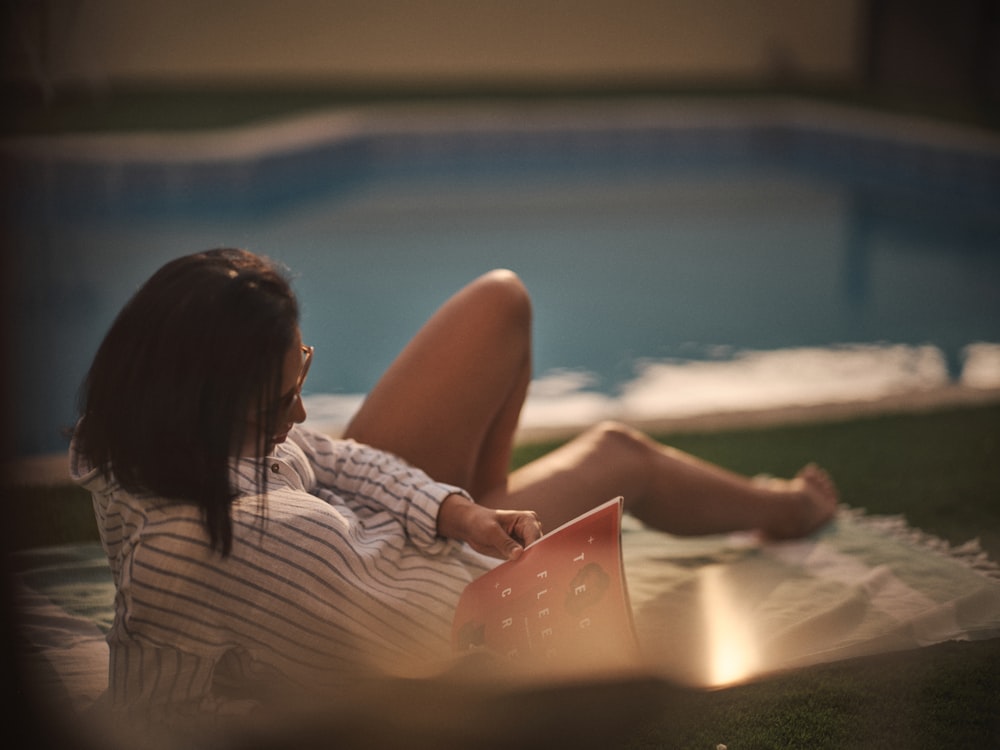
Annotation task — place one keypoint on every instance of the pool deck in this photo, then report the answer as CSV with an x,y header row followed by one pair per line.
x,y
53,469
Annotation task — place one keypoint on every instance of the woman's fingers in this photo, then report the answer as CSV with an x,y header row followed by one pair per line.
x,y
521,525
498,533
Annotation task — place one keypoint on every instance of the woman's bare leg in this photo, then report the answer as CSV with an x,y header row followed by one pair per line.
x,y
451,400
664,487
450,404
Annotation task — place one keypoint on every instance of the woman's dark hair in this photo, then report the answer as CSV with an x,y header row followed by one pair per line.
x,y
174,387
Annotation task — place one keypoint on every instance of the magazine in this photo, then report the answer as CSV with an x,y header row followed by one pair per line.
x,y
562,605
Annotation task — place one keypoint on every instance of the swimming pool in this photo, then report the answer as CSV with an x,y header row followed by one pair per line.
x,y
682,258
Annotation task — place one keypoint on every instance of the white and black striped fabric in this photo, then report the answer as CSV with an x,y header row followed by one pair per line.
x,y
338,569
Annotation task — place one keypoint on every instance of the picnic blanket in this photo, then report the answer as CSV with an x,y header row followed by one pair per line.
x,y
715,610
709,611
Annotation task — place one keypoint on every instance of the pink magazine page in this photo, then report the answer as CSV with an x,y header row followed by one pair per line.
x,y
563,605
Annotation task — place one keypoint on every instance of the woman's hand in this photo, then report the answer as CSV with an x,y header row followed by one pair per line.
x,y
497,533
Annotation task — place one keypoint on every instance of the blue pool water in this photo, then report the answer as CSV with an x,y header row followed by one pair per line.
x,y
765,257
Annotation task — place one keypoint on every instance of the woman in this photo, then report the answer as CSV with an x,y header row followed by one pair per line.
x,y
251,555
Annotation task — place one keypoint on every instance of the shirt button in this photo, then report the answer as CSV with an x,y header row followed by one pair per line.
x,y
275,467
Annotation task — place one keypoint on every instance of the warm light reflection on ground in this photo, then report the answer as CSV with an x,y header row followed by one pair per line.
x,y
731,649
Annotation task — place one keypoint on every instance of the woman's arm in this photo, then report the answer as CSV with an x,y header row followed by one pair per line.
x,y
428,510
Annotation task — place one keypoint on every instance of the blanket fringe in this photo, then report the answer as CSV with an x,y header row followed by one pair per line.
x,y
970,554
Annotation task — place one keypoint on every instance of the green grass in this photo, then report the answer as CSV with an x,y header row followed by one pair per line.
x,y
44,516
940,470
938,697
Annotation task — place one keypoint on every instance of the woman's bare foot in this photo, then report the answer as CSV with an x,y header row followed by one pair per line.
x,y
801,505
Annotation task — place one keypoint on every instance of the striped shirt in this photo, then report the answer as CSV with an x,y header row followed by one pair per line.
x,y
339,570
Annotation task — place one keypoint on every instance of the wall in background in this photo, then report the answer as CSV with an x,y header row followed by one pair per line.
x,y
432,42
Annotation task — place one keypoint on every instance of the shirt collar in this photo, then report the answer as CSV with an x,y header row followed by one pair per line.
x,y
286,467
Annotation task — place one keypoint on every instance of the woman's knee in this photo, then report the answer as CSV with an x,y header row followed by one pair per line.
x,y
619,441
505,296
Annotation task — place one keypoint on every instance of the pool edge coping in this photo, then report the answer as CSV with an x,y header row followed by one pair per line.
x,y
294,132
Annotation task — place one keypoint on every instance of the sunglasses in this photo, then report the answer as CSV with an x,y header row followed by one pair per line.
x,y
287,400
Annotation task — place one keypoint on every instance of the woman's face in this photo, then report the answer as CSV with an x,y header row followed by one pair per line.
x,y
290,409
